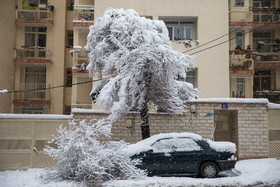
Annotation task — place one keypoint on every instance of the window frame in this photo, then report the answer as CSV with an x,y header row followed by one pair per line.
x,y
240,87
239,39
180,25
36,32
194,76
239,2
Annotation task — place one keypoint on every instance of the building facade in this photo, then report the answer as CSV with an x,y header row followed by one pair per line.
x,y
255,49
44,49
35,56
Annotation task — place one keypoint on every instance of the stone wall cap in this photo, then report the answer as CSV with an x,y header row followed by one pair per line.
x,y
35,116
89,111
273,106
228,100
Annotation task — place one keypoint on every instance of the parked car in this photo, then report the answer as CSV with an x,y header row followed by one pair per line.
x,y
183,154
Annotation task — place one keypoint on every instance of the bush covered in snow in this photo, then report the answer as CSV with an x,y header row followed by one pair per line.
x,y
82,157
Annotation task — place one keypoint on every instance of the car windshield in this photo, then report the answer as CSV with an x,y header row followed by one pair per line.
x,y
175,144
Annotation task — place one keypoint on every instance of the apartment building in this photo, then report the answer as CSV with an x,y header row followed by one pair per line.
x,y
34,56
255,49
44,48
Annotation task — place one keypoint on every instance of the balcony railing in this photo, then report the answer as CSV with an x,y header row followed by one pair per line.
x,y
32,92
265,15
272,96
80,60
267,57
34,14
33,53
241,60
84,12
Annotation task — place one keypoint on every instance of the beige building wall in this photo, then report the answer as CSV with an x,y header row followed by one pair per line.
x,y
7,43
13,35
213,75
56,74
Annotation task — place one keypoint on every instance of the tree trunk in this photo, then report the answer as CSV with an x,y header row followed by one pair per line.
x,y
145,128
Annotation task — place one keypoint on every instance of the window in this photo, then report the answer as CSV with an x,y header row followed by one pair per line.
x,y
180,30
240,88
239,41
70,5
147,17
67,110
261,41
263,3
239,2
69,41
175,144
262,80
35,78
69,77
191,77
35,36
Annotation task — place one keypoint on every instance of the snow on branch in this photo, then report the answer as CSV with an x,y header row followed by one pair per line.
x,y
138,53
82,157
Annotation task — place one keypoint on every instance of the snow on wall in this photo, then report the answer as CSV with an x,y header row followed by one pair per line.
x,y
229,100
35,116
273,106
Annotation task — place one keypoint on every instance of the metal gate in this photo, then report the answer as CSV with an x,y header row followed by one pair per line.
x,y
22,142
225,125
274,133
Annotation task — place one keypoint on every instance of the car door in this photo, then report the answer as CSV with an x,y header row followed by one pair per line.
x,y
159,160
187,155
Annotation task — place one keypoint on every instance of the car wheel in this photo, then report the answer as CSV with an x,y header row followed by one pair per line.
x,y
209,170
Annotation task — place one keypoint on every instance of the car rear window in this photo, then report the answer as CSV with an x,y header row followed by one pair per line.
x,y
175,144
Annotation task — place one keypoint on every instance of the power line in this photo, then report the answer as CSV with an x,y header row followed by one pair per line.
x,y
54,87
223,35
228,40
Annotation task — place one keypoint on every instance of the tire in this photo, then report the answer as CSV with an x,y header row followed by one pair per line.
x,y
209,170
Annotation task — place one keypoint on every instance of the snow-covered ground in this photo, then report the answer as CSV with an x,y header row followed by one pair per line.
x,y
257,172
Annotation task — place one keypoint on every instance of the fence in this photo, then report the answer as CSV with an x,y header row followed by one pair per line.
x,y
23,137
274,133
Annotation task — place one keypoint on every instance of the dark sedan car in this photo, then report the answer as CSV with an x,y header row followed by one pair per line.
x,y
183,154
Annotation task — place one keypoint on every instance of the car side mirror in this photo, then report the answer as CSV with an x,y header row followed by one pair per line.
x,y
150,151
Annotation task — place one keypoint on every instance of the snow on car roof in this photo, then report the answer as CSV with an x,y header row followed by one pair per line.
x,y
145,145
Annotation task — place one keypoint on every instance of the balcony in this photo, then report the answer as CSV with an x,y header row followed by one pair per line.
x,y
255,17
80,60
265,17
33,93
272,96
241,62
267,60
83,16
33,55
34,15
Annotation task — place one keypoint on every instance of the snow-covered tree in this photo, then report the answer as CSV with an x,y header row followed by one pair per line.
x,y
82,157
137,54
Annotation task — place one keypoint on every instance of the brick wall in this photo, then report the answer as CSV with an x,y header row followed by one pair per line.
x,y
249,127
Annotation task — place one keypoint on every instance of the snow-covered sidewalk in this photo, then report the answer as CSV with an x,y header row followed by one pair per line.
x,y
262,172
